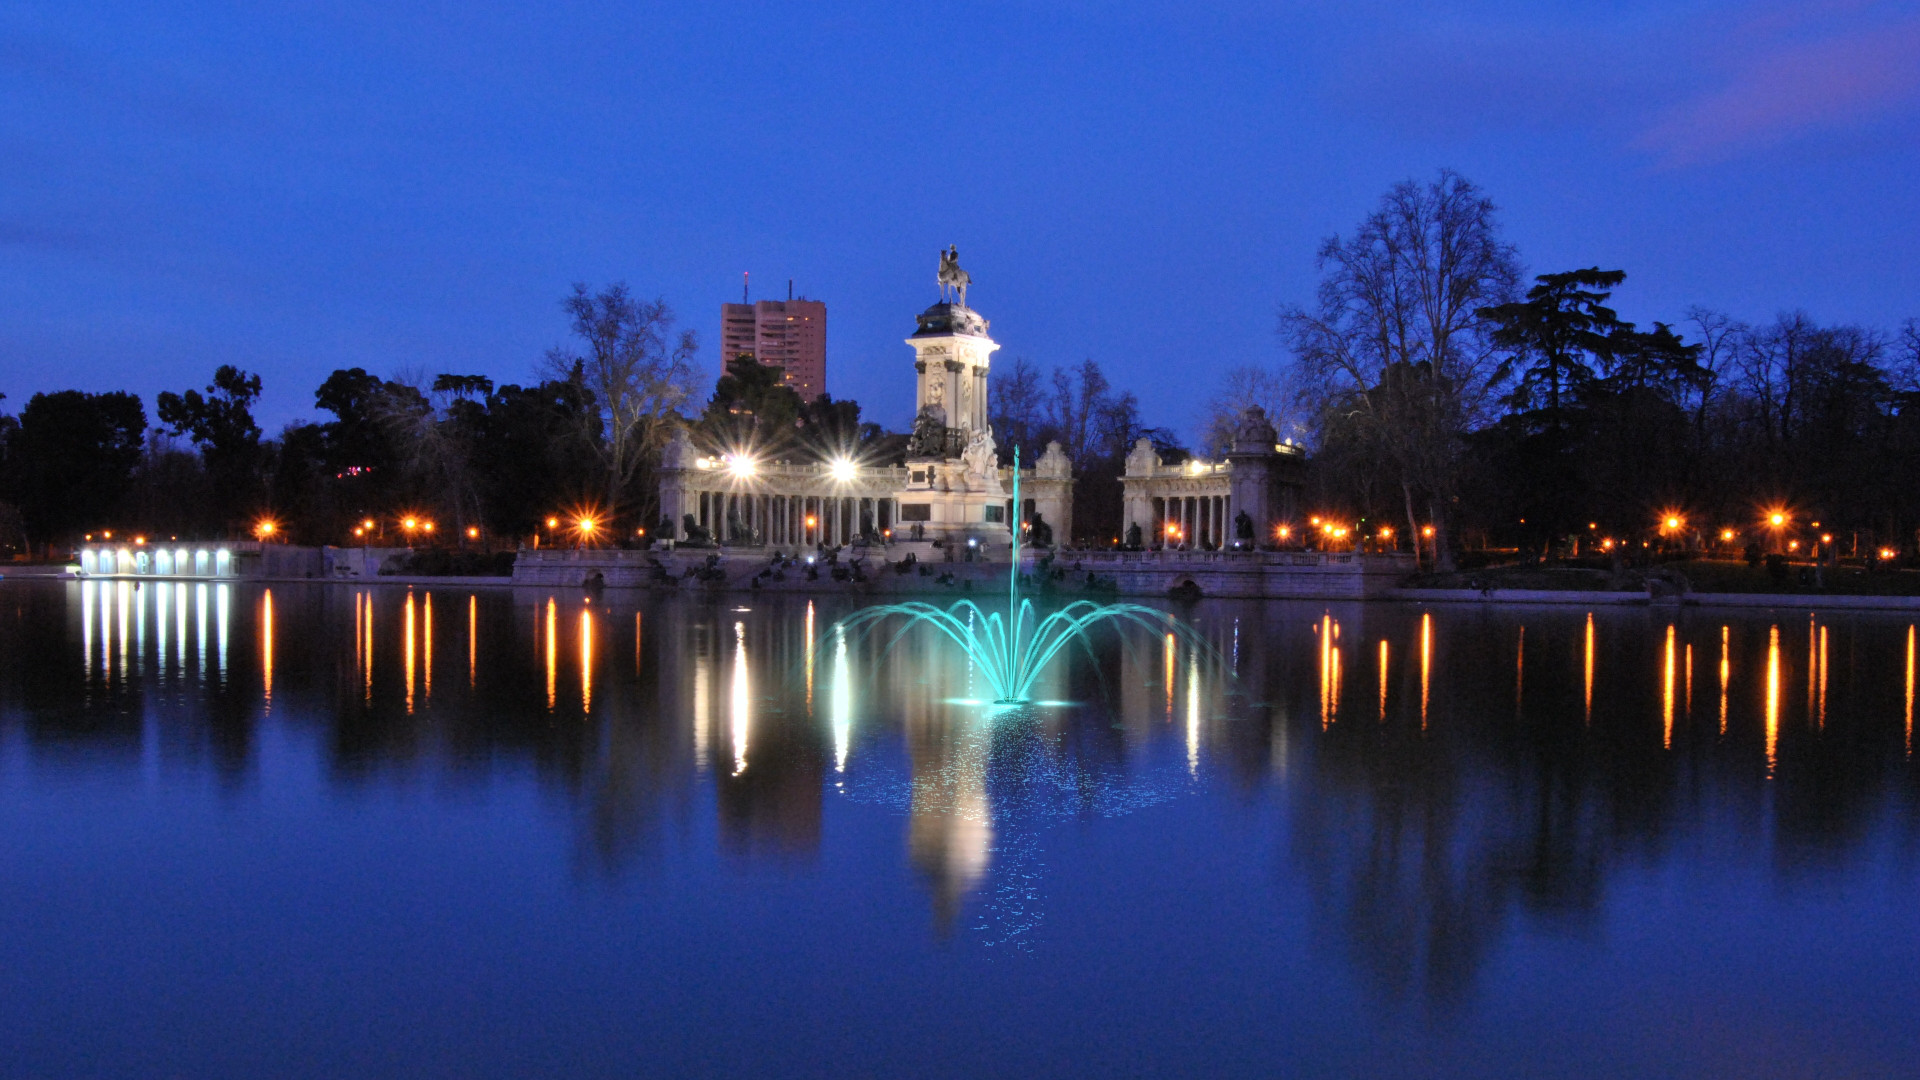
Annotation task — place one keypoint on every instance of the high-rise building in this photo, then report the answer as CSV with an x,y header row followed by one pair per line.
x,y
788,334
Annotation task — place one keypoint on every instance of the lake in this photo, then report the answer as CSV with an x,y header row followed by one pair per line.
x,y
391,831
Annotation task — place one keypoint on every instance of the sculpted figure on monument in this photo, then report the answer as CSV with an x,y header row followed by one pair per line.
x,y
929,438
1142,461
953,280
1040,533
1054,462
1254,433
678,453
981,454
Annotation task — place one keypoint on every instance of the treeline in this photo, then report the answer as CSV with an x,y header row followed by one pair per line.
x,y
484,464
1440,390
481,461
457,451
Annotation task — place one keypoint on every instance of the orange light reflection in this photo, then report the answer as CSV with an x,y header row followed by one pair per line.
x,y
1773,697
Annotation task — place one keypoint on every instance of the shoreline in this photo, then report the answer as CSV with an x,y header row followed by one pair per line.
x,y
1500,597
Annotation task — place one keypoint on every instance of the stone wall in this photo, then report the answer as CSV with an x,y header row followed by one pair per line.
x,y
1270,575
1241,574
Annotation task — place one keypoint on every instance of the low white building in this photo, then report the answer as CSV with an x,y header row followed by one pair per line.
x,y
1240,502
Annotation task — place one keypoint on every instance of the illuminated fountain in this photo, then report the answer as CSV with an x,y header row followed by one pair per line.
x,y
1011,651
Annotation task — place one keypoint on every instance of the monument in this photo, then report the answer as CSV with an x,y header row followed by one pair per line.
x,y
951,491
954,492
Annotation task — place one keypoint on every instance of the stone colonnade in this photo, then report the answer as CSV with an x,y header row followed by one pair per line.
x,y
790,520
1202,521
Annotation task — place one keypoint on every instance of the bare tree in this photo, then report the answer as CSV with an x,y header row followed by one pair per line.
x,y
1394,345
1273,391
1721,337
640,374
1773,362
425,422
1904,371
1017,409
1088,417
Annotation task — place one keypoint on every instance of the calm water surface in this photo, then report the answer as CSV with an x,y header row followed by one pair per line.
x,y
333,831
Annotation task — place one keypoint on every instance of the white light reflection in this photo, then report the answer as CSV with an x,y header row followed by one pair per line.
x,y
162,595
703,647
1193,712
842,701
740,702
221,596
86,627
122,601
106,634
200,629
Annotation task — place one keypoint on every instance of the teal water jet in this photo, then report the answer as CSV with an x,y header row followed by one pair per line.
x,y
1013,650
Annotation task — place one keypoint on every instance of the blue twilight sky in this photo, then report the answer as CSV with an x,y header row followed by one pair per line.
x,y
297,187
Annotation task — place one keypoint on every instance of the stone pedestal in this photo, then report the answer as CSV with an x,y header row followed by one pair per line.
x,y
954,492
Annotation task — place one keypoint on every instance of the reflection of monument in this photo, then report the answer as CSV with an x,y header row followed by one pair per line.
x,y
949,820
949,825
